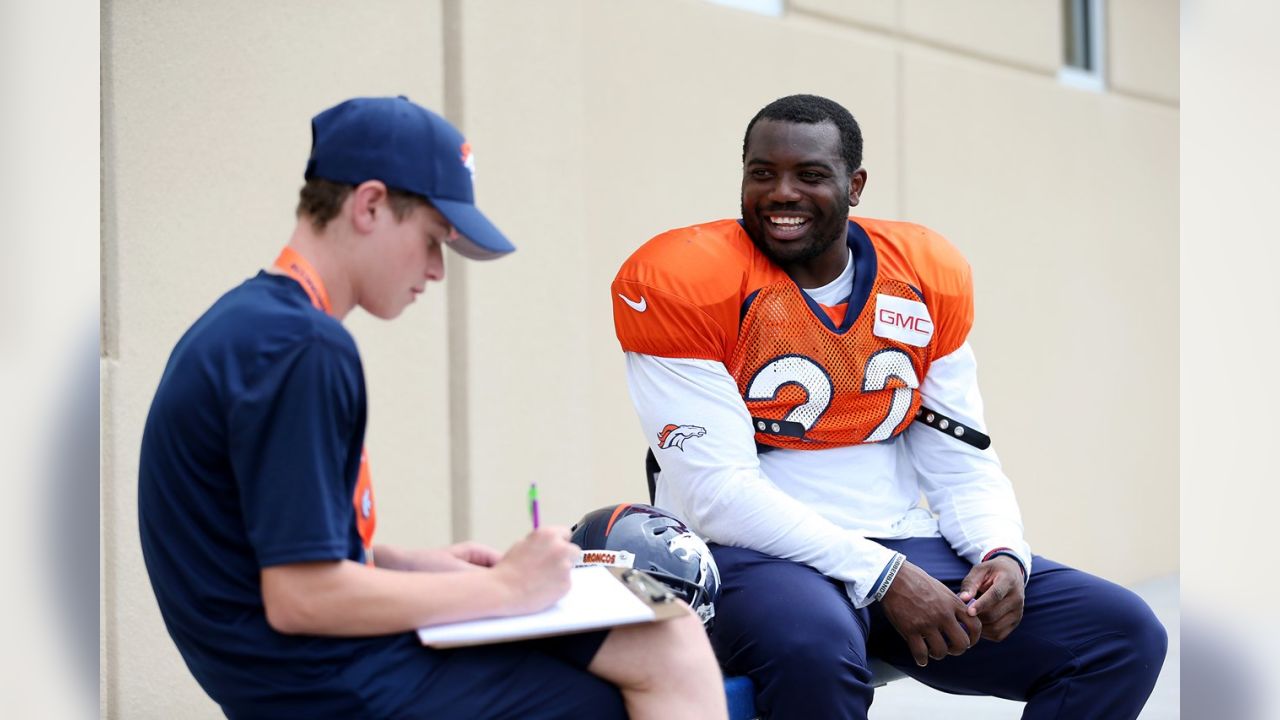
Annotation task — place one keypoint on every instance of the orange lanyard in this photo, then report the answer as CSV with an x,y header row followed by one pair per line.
x,y
292,263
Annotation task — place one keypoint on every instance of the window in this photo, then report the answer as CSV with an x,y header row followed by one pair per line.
x,y
1082,44
772,8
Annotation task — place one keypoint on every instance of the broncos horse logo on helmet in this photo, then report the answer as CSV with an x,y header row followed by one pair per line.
x,y
661,545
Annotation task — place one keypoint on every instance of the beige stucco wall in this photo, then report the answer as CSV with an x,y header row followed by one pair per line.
x,y
596,125
1066,205
1142,43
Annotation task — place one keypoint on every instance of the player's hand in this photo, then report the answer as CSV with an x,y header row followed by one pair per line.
x,y
535,571
928,616
997,585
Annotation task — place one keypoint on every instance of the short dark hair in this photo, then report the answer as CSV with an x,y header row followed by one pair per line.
x,y
811,110
321,200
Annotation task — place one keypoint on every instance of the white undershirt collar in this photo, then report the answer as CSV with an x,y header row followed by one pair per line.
x,y
836,291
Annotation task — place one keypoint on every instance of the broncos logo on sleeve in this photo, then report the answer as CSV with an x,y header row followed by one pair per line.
x,y
676,435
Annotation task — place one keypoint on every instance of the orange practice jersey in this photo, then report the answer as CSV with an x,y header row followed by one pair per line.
x,y
812,376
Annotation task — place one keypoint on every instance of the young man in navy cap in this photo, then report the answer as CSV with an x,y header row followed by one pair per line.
x,y
256,507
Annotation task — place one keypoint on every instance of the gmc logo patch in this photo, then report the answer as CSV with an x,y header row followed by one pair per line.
x,y
906,321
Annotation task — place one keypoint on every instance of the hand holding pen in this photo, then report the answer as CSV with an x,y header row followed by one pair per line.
x,y
537,567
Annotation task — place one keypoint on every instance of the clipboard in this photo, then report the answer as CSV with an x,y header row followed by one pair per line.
x,y
599,597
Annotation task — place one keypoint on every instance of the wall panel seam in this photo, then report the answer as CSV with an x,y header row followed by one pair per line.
x,y
458,341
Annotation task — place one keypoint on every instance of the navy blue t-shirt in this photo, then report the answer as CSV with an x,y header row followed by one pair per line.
x,y
249,459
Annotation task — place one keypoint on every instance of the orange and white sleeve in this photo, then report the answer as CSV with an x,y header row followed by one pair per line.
x,y
966,487
948,286
677,296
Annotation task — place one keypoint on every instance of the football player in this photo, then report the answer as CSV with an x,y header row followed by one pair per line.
x,y
802,376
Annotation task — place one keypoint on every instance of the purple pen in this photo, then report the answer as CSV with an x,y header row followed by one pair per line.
x,y
533,504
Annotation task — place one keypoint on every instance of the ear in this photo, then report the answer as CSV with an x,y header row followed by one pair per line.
x,y
857,181
367,200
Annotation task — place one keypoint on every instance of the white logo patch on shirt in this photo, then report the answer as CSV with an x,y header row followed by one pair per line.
x,y
906,321
638,305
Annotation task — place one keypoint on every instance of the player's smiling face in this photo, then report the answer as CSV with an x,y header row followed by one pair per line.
x,y
796,194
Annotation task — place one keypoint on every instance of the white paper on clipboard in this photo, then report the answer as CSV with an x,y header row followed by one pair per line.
x,y
597,598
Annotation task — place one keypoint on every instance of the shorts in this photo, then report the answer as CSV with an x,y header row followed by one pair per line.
x,y
532,679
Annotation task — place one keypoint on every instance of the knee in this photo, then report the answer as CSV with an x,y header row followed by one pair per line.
x,y
667,656
814,668
681,652
1142,639
1151,640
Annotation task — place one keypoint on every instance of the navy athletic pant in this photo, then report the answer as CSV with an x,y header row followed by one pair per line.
x,y
1086,648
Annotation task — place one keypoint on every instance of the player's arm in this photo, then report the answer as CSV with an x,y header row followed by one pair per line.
x,y
344,598
292,435
965,486
459,556
711,476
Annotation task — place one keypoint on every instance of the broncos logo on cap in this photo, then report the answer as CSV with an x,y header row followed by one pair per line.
x,y
468,160
676,435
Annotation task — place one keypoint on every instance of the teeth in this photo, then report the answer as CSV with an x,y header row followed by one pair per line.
x,y
793,221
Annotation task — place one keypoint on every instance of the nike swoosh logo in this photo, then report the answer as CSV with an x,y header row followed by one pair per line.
x,y
638,306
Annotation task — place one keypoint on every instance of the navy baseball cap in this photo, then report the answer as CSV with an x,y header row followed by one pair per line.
x,y
408,148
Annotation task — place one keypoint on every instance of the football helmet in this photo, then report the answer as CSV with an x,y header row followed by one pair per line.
x,y
651,539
